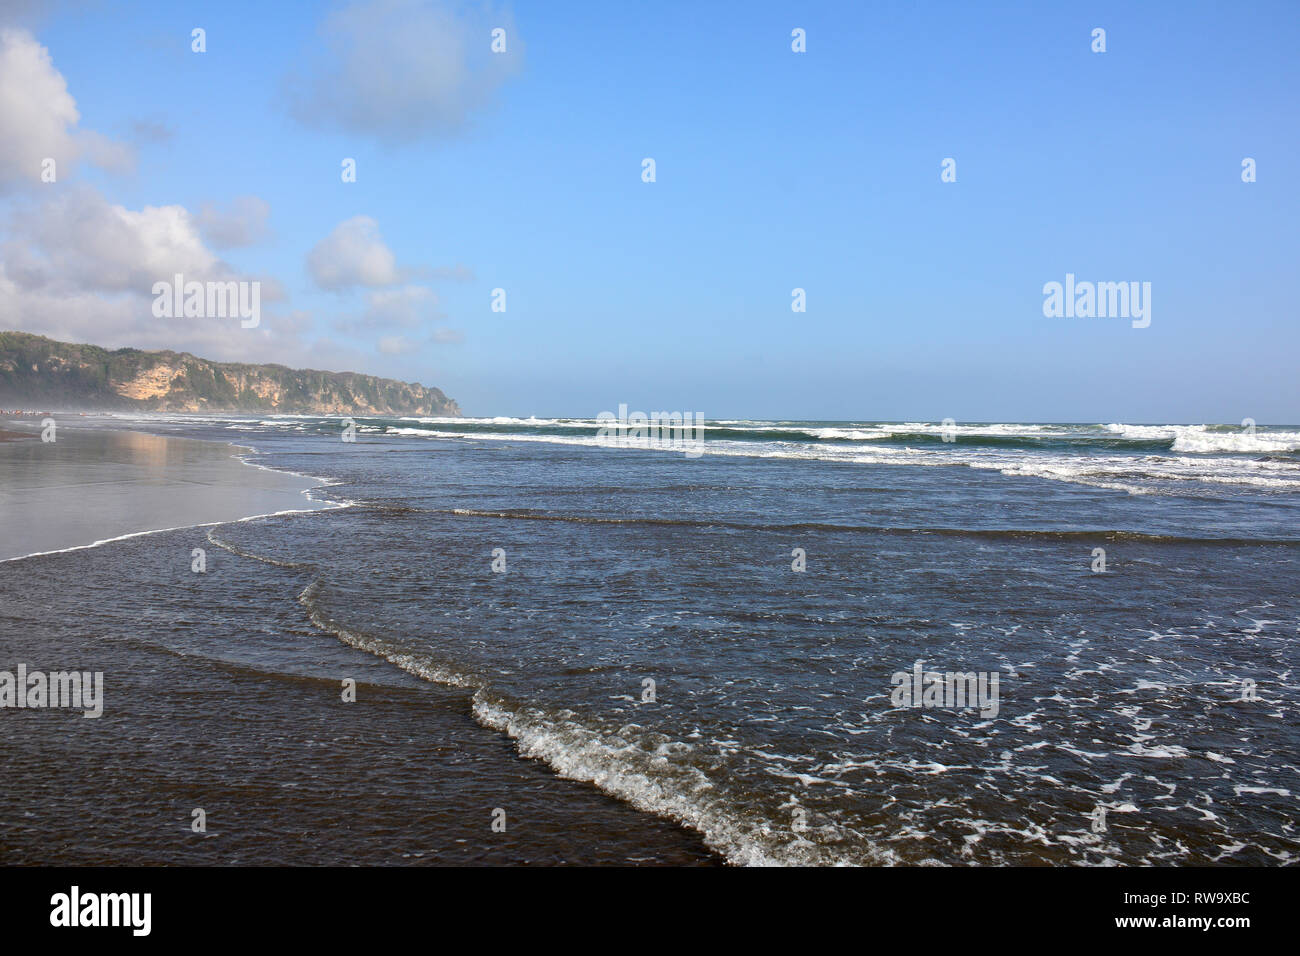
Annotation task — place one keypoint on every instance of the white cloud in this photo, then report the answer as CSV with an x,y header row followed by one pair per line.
x,y
79,268
76,266
395,345
406,307
457,273
409,309
242,223
353,254
151,131
402,345
79,240
39,117
402,70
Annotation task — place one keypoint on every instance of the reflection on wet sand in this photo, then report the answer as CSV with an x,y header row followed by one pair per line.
x,y
89,486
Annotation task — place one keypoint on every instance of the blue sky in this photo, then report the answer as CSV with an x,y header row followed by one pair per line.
x,y
775,170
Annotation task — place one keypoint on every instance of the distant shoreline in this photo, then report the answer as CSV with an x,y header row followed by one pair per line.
x,y
36,369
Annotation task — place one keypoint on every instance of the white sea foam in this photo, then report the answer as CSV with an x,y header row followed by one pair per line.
x,y
1210,457
646,770
1115,472
1275,443
1203,439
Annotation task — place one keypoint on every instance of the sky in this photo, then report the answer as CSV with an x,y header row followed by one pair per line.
x,y
774,170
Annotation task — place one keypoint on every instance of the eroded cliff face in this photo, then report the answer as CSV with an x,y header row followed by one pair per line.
x,y
150,384
40,371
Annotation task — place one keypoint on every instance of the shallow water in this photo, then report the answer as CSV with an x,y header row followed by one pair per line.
x,y
92,485
771,731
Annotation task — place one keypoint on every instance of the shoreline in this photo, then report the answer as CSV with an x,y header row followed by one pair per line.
x,y
152,531
440,762
93,487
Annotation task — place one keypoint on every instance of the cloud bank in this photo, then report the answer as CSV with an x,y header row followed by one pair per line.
x,y
405,70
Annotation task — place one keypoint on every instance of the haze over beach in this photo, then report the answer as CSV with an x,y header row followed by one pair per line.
x,y
466,434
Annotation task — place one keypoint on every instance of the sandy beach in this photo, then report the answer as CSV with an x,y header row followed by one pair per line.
x,y
91,486
220,696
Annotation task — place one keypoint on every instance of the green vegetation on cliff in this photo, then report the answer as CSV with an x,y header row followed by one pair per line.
x,y
36,371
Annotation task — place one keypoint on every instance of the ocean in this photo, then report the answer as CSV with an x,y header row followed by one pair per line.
x,y
575,649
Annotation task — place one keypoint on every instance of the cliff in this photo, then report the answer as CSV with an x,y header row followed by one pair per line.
x,y
36,371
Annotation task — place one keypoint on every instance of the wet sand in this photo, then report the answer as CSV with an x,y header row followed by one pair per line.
x,y
219,695
91,486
